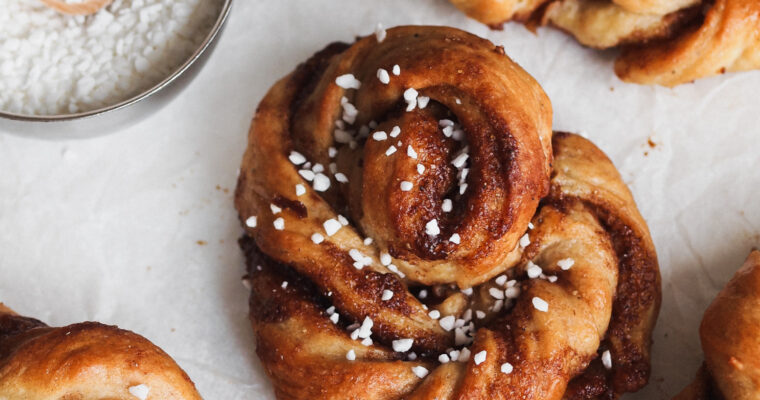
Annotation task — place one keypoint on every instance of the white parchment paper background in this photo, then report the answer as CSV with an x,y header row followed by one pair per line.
x,y
108,228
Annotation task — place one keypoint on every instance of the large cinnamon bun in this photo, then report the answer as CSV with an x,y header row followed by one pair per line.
x,y
414,230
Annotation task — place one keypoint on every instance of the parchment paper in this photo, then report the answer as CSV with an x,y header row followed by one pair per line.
x,y
137,227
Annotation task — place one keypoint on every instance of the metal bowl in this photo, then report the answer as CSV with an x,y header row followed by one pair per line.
x,y
113,117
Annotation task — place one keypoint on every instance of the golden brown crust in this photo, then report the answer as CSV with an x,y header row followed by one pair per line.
x,y
660,7
88,361
596,23
726,40
665,42
730,340
603,24
729,335
588,175
608,300
495,12
507,118
304,353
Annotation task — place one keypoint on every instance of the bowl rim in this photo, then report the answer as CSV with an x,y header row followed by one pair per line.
x,y
215,29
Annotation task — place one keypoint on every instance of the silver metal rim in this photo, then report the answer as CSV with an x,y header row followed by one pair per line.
x,y
225,11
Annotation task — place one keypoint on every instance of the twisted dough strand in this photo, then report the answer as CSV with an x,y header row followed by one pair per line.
x,y
730,340
340,316
728,40
586,218
86,361
496,12
506,117
604,24
315,289
665,42
589,176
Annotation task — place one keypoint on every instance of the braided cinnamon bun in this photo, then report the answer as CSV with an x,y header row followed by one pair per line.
x,y
664,42
730,340
86,361
414,231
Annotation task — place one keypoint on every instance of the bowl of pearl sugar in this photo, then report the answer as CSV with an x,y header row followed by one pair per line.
x,y
97,70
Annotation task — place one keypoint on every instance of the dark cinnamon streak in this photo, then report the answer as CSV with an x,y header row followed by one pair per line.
x,y
270,303
293,205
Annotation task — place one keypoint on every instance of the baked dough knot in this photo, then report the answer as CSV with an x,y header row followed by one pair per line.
x,y
730,341
88,361
452,247
665,42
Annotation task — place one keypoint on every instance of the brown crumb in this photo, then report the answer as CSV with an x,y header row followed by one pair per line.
x,y
201,242
651,145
